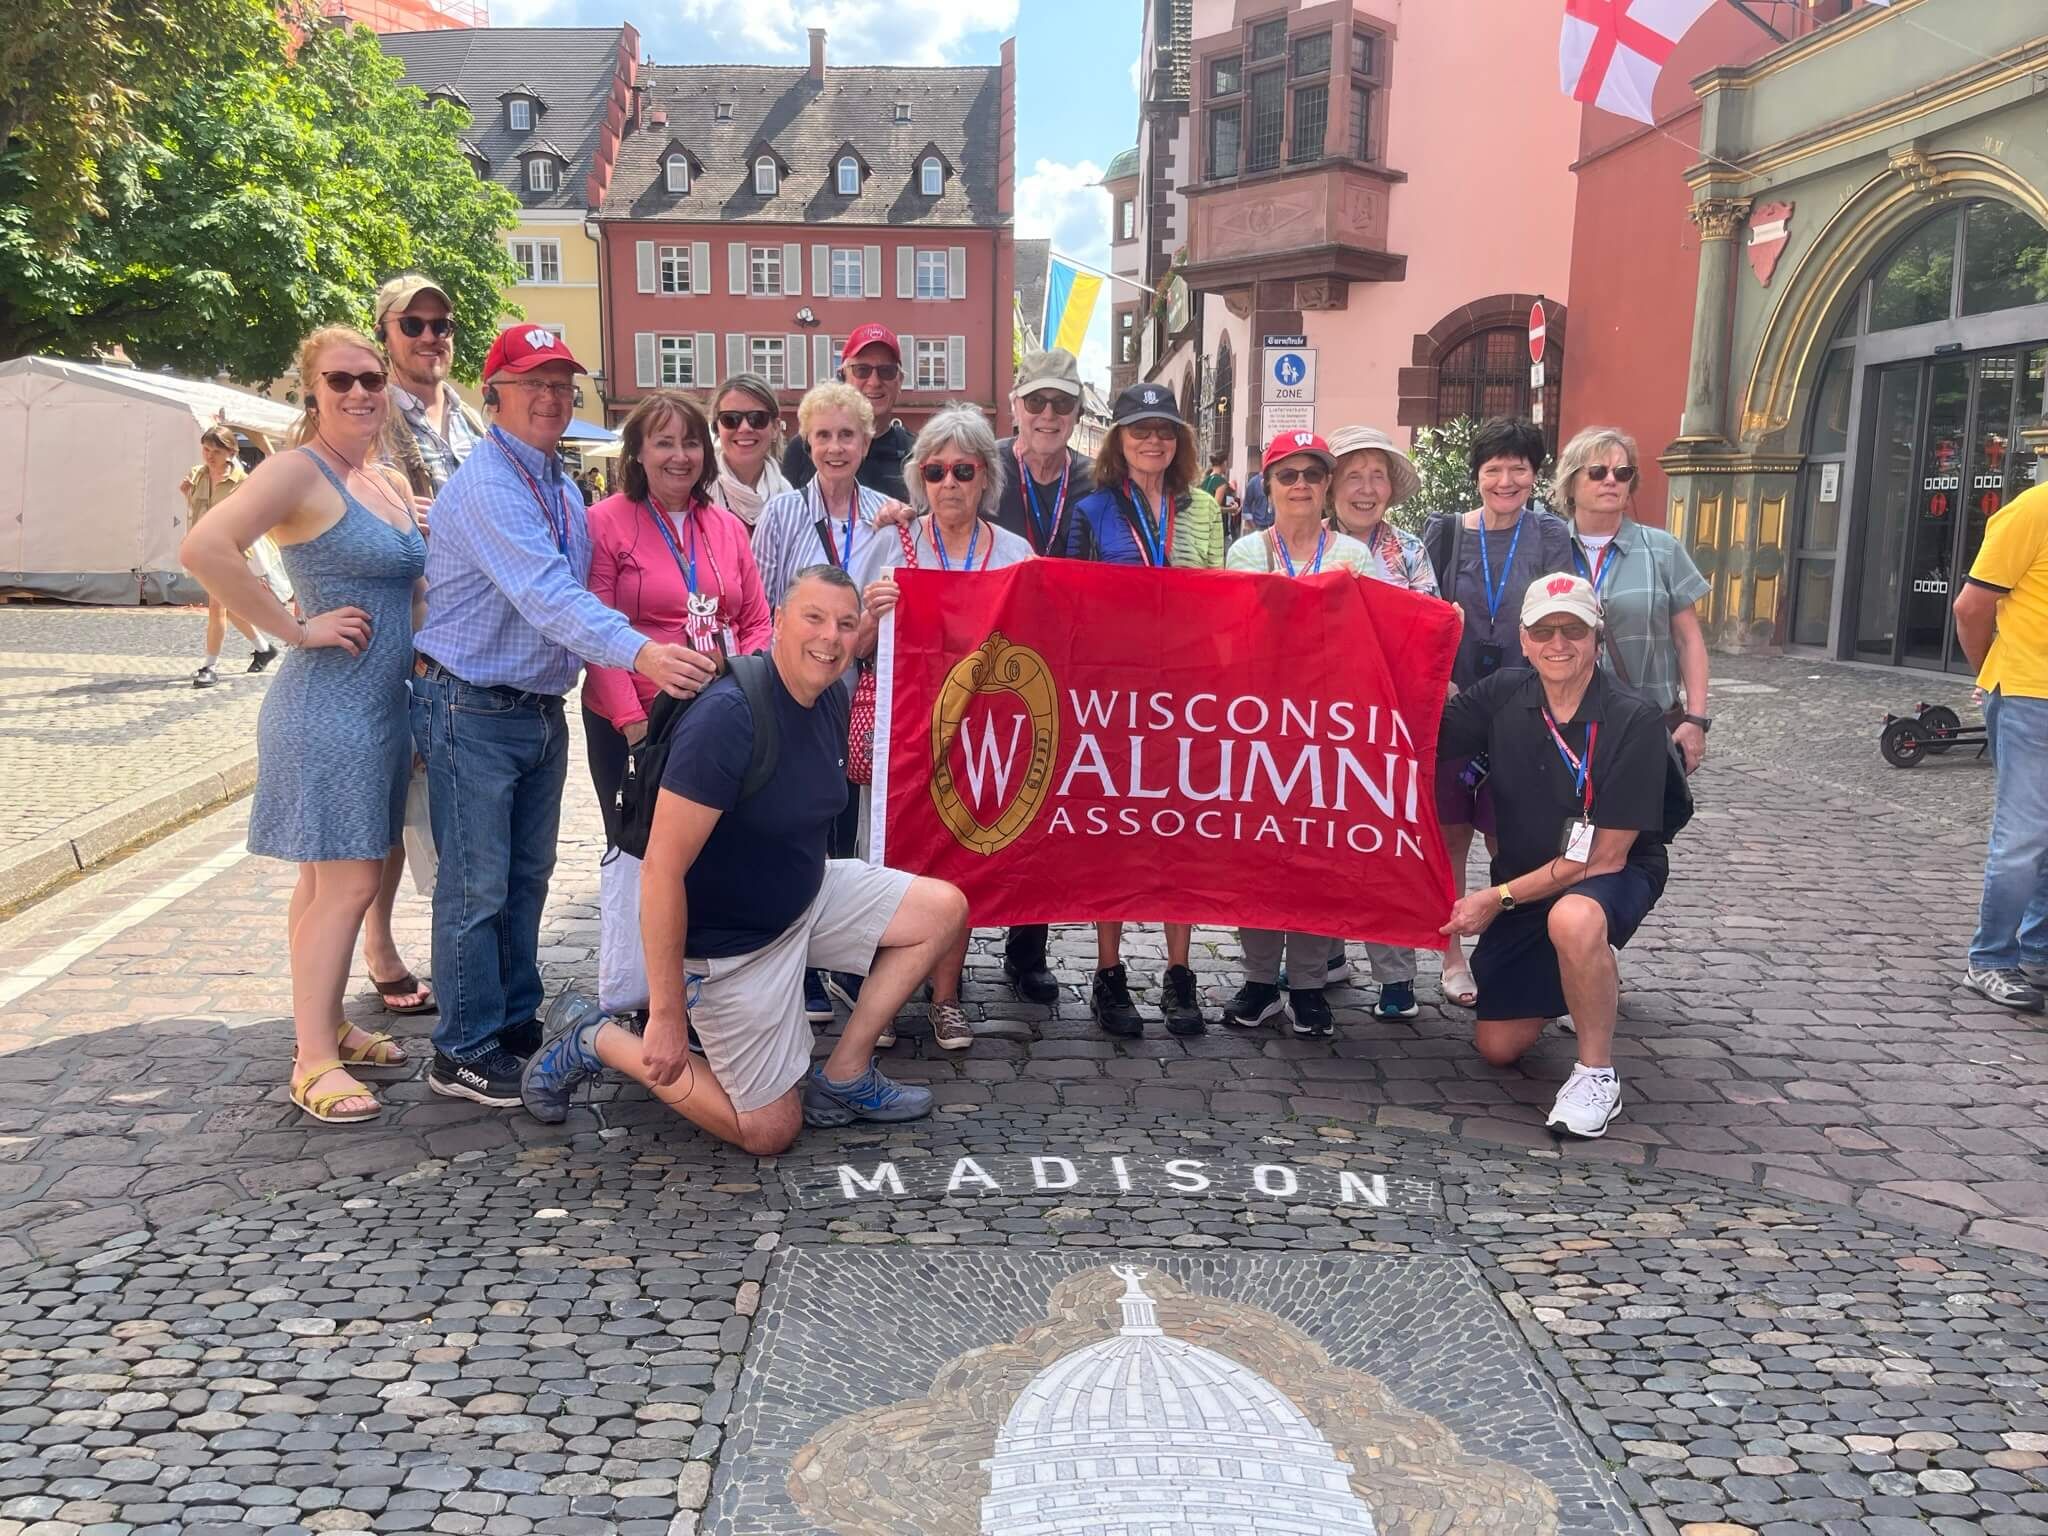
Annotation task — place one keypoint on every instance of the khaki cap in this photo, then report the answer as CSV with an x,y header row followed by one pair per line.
x,y
400,291
1056,369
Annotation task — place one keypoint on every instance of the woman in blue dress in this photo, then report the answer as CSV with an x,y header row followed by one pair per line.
x,y
333,744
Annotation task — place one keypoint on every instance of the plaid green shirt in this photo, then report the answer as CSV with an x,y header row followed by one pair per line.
x,y
1647,577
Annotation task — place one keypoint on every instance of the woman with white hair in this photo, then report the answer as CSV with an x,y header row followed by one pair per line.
x,y
955,472
1646,582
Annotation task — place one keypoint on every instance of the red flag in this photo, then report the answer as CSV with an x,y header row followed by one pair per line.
x,y
1070,742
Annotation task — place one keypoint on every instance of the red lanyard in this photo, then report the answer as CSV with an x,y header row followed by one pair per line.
x,y
559,530
1581,768
1155,553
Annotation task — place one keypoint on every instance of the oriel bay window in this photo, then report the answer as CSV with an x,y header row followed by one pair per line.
x,y
1271,102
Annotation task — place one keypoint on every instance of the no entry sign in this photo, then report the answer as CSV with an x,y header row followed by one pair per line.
x,y
1538,330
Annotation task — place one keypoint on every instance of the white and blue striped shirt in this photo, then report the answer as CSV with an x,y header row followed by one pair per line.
x,y
786,538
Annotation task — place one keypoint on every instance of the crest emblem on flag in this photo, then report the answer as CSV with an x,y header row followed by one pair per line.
x,y
1770,224
1011,737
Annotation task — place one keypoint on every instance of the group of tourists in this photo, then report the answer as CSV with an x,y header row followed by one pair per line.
x,y
452,586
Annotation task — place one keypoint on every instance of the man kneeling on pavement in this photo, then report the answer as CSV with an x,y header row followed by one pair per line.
x,y
738,900
1581,842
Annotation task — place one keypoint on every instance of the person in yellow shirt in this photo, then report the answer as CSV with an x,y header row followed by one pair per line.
x,y
2002,622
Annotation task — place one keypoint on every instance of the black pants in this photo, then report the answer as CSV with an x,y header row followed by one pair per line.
x,y
1024,947
607,752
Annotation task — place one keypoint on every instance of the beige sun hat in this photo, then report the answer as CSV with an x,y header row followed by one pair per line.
x,y
1348,440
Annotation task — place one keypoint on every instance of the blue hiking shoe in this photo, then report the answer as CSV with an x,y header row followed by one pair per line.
x,y
871,1096
817,1005
568,1058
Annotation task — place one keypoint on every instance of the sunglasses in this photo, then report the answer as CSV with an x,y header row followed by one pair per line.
x,y
1598,472
732,421
341,383
1050,400
964,473
888,373
414,325
1313,474
1153,431
1571,629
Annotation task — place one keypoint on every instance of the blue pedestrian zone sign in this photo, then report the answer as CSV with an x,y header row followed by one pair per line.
x,y
1289,370
1290,376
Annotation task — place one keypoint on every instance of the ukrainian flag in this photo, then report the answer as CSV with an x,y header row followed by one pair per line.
x,y
1070,294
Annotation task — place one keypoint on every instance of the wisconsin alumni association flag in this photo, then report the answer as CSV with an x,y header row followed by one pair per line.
x,y
1070,742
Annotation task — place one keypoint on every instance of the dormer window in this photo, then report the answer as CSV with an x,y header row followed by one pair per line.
x,y
519,114
931,176
764,176
849,176
902,111
722,112
540,174
677,173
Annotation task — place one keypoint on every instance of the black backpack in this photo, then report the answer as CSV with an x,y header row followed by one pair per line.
x,y
640,789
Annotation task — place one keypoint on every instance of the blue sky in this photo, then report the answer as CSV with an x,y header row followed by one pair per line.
x,y
1077,102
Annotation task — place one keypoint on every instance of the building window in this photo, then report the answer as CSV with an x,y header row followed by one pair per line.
x,y
933,175
1311,54
838,353
539,261
931,363
847,281
675,268
1268,120
931,275
1126,336
678,356
722,112
1226,138
1226,76
1127,218
1311,122
678,173
849,176
764,176
902,111
764,356
764,271
519,114
1269,38
1487,374
1363,49
540,174
1365,54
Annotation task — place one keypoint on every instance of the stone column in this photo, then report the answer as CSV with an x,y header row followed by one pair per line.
x,y
1706,396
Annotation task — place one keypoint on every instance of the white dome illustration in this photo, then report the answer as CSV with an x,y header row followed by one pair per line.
x,y
1147,1435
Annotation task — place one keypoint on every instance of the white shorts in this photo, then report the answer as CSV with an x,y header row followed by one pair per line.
x,y
748,1010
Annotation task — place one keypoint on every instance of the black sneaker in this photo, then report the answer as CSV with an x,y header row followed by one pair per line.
x,y
817,1006
205,677
1256,1002
493,1078
263,658
1179,1003
1312,1014
1033,982
1112,1006
522,1040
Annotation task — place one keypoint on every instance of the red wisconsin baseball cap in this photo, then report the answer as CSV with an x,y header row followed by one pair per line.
x,y
520,348
871,335
1286,445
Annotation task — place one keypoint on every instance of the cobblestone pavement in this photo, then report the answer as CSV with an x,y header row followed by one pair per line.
x,y
1797,1290
96,704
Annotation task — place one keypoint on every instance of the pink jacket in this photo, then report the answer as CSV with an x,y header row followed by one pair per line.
x,y
633,570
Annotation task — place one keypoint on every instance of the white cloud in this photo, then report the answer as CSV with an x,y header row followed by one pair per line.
x,y
532,13
1064,204
858,31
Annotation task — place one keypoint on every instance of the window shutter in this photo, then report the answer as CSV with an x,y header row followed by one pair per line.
x,y
706,350
793,271
793,360
645,373
821,358
906,272
956,363
735,353
643,259
736,267
700,266
956,273
821,271
909,361
871,270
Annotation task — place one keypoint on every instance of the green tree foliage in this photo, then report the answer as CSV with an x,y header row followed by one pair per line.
x,y
256,204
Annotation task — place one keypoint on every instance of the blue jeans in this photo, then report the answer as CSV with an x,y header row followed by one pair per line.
x,y
496,762
2012,925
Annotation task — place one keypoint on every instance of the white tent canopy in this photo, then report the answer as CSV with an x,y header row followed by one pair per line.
x,y
90,460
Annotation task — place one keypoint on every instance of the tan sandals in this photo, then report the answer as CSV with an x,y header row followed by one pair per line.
x,y
321,1105
379,1052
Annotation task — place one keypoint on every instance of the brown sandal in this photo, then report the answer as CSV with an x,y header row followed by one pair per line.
x,y
405,986
378,1050
321,1105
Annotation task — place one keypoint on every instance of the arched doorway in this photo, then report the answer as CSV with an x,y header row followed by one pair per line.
x,y
1937,364
1475,363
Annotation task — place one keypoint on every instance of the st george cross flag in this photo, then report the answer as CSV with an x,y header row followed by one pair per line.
x,y
1611,51
1070,742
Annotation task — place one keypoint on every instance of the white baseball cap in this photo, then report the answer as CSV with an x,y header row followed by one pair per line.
x,y
1548,595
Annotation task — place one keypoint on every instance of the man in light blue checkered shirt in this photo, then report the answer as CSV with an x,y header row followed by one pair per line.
x,y
509,626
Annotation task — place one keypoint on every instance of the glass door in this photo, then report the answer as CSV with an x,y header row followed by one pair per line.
x,y
1940,496
1993,466
1888,499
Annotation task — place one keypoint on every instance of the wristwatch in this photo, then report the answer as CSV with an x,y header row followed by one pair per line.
x,y
1704,722
1507,898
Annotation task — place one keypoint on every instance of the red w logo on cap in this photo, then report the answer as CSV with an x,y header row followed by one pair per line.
x,y
1558,586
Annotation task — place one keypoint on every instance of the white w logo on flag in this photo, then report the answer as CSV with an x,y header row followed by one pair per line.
x,y
985,763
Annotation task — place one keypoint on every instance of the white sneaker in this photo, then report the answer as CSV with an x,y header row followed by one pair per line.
x,y
1587,1103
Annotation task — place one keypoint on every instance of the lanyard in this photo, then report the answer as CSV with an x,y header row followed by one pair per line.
x,y
1494,594
1041,531
1581,768
1602,564
825,516
560,531
689,572
931,532
1155,544
1280,544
